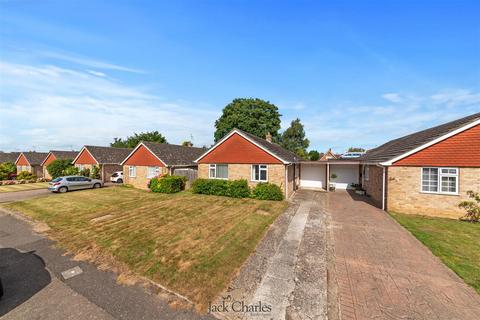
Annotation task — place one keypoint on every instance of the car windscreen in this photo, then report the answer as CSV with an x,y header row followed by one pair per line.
x,y
57,180
115,174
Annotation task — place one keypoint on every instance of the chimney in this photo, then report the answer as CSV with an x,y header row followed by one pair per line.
x,y
268,137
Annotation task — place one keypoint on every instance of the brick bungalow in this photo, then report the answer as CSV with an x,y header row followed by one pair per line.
x,y
109,159
8,157
150,159
241,155
54,155
428,172
31,162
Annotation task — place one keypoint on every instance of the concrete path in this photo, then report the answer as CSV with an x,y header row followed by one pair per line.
x,y
383,272
30,267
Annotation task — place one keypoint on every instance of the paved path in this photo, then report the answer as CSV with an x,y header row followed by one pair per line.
x,y
31,269
383,272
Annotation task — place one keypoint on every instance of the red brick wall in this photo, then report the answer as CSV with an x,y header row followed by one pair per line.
x,y
143,157
22,161
237,149
85,158
51,157
460,150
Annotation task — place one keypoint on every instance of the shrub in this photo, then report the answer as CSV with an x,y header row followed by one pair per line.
x,y
267,191
71,171
58,167
234,189
6,170
9,182
168,184
25,175
472,207
85,172
95,173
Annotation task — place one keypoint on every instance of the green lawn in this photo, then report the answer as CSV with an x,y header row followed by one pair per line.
x,y
193,244
455,242
23,187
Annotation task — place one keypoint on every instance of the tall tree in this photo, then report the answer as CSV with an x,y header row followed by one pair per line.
x,y
313,155
254,116
132,141
355,149
293,139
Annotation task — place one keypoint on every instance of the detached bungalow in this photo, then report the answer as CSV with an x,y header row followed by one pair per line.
x,y
241,155
8,157
428,172
150,159
54,155
107,158
31,162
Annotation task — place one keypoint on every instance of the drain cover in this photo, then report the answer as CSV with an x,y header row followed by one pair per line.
x,y
70,273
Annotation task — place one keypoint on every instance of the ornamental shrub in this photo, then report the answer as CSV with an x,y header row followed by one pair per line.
x,y
58,167
267,191
218,187
85,172
71,171
25,175
6,170
472,207
168,184
238,189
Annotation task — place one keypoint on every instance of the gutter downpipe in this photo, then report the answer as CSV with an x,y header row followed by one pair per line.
x,y
383,185
286,181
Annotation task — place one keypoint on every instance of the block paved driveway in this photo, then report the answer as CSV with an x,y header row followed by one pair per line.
x,y
383,272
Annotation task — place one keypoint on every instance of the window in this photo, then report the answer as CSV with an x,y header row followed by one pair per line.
x,y
152,172
218,171
440,180
366,170
259,172
132,171
81,167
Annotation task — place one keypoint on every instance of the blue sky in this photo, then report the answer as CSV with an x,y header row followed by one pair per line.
x,y
357,73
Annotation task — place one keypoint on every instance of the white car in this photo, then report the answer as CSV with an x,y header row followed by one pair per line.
x,y
117,177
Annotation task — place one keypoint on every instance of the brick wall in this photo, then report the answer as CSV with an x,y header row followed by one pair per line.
x,y
404,193
141,180
276,174
373,186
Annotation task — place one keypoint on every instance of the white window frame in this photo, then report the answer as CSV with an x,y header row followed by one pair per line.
x,y
366,172
214,167
132,171
439,181
156,172
261,167
81,167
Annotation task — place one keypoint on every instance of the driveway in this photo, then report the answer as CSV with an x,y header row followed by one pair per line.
x,y
383,272
22,195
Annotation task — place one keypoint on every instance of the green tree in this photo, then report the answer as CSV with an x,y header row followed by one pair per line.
x,y
58,167
254,116
355,149
71,171
132,141
95,173
187,144
293,139
7,169
313,155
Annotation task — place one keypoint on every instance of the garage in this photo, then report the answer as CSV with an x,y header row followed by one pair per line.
x,y
343,175
312,175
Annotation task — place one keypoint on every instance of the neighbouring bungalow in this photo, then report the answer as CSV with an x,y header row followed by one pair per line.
x,y
428,172
56,155
150,159
8,157
108,159
241,155
31,162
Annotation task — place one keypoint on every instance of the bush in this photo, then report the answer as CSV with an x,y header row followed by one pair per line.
x,y
472,207
234,189
6,170
71,171
58,167
85,172
168,184
95,173
25,175
267,191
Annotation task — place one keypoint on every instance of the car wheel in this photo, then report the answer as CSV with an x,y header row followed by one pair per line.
x,y
62,189
120,181
96,185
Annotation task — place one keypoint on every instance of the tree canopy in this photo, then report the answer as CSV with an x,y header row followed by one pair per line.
x,y
355,149
254,116
59,167
7,169
313,155
293,139
132,141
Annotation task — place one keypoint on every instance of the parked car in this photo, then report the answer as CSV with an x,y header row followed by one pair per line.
x,y
68,183
117,177
349,155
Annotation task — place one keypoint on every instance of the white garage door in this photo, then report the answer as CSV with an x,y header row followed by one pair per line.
x,y
312,175
346,175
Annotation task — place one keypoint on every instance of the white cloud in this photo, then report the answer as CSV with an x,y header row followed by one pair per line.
x,y
49,107
392,97
97,73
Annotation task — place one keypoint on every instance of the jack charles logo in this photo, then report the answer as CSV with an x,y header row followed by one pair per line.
x,y
230,305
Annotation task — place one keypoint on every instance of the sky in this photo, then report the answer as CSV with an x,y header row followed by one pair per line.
x,y
356,73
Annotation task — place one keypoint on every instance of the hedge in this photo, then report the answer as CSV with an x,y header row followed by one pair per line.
x,y
237,189
168,184
267,191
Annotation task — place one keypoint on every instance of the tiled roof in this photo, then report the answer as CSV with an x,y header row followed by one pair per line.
x,y
35,158
8,156
272,147
175,155
108,155
397,147
62,155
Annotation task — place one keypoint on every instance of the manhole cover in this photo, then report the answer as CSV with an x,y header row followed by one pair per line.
x,y
70,273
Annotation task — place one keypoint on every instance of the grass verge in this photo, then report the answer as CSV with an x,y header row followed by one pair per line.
x,y
192,244
455,242
24,187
